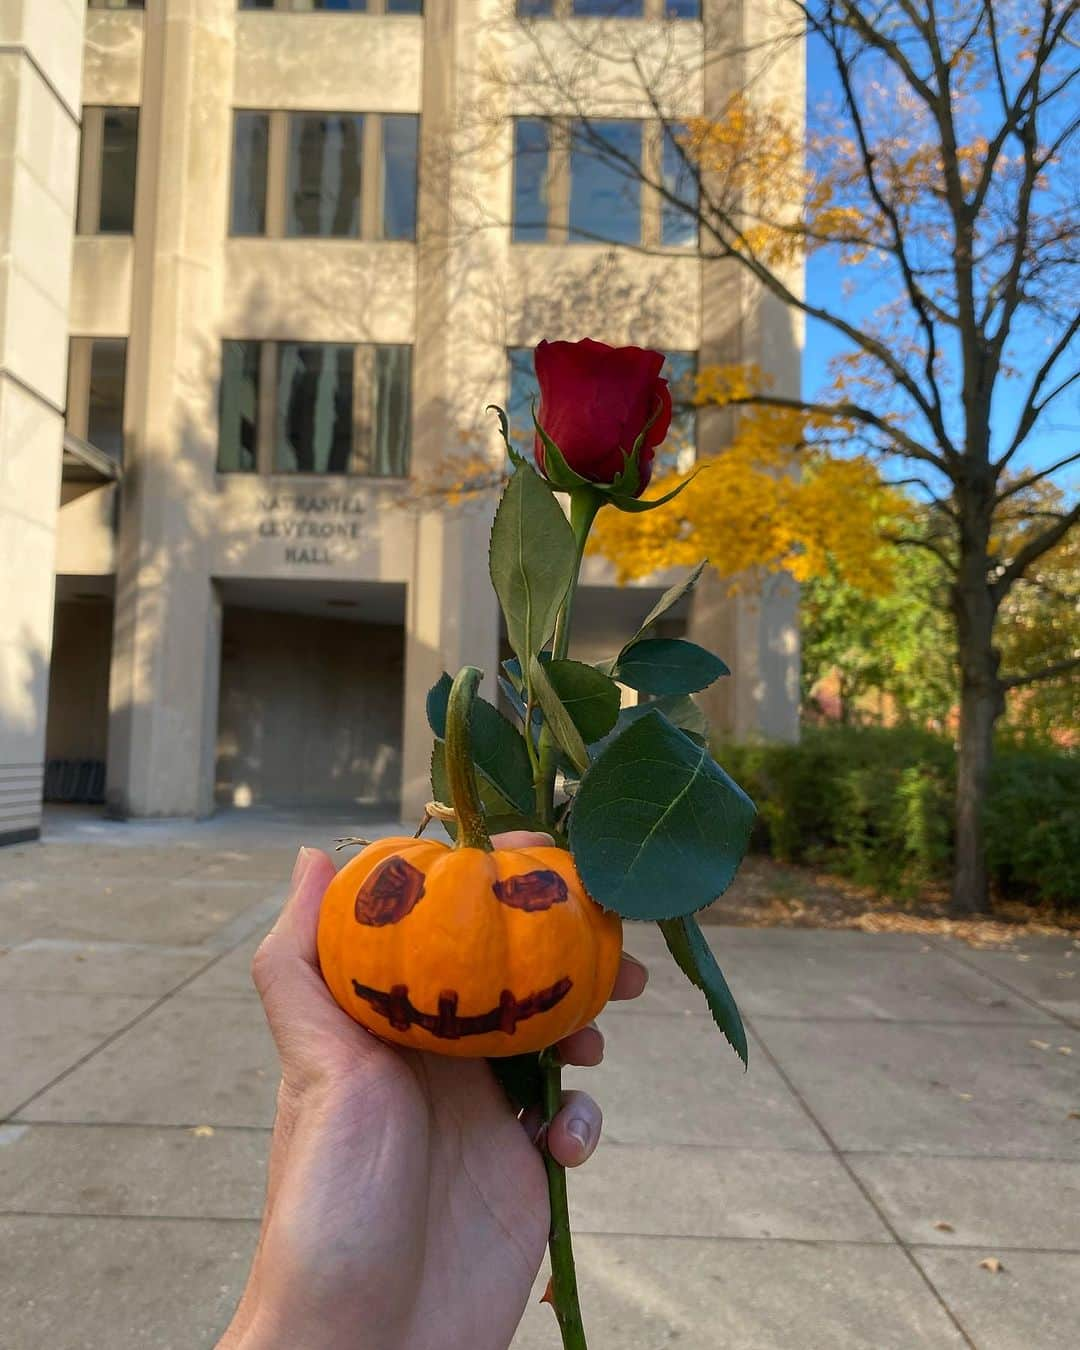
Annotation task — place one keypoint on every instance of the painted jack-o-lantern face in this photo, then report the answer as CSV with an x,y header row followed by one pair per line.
x,y
466,952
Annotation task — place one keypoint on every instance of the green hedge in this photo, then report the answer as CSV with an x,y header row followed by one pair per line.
x,y
876,805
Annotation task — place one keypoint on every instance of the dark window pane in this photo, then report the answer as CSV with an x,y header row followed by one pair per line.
x,y
354,6
404,6
238,416
605,182
119,146
256,4
324,174
535,9
621,9
678,224
399,149
524,389
392,413
680,448
105,407
682,9
530,219
314,408
251,136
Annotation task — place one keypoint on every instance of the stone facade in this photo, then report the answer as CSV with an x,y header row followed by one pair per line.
x,y
179,554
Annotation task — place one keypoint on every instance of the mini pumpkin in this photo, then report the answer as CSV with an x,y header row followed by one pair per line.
x,y
466,950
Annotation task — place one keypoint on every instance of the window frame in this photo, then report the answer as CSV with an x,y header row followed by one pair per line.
x,y
364,392
371,217
91,163
376,8
651,12
77,398
558,186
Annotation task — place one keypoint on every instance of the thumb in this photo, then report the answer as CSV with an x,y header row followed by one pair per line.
x,y
311,1032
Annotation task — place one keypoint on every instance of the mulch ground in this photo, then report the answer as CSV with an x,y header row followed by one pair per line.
x,y
769,894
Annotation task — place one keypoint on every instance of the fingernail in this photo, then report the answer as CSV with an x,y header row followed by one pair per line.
x,y
303,860
579,1129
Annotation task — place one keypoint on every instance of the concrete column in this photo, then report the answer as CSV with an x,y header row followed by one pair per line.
x,y
40,96
451,613
163,691
754,628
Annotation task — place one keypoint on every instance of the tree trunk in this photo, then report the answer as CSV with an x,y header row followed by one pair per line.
x,y
971,881
981,703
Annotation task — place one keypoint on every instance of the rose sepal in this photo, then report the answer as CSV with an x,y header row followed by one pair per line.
x,y
516,458
625,503
557,472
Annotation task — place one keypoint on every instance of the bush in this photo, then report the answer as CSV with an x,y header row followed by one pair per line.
x,y
876,804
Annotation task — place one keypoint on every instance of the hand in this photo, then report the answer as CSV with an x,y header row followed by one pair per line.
x,y
406,1202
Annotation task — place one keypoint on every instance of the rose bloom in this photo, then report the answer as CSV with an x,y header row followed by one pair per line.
x,y
596,400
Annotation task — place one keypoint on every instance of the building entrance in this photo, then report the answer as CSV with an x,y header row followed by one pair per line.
x,y
311,697
77,725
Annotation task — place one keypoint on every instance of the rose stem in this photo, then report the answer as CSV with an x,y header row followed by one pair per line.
x,y
471,831
584,504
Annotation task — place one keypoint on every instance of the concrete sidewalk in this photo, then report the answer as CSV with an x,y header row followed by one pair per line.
x,y
912,1108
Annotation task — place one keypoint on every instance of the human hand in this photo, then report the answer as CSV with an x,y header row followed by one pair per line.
x,y
406,1202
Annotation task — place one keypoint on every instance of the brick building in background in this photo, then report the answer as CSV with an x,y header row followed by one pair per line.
x,y
257,272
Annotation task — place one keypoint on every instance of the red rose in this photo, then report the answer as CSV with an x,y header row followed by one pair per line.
x,y
596,400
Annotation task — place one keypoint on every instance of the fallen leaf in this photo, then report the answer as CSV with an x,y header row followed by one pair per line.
x,y
202,1131
966,1096
1064,1049
1040,1045
943,1227
1021,957
1074,1115
992,1264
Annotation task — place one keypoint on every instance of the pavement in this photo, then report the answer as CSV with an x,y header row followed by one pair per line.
x,y
900,1167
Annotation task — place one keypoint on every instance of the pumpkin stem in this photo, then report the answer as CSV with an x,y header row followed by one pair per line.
x,y
471,832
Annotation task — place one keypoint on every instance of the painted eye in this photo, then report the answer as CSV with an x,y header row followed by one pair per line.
x,y
393,890
532,891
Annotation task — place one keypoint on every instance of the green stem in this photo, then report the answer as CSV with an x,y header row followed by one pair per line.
x,y
584,504
471,831
564,1290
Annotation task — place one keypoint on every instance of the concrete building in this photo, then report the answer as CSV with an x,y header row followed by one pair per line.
x,y
262,266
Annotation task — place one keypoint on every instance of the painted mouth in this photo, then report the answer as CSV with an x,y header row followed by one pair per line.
x,y
399,1011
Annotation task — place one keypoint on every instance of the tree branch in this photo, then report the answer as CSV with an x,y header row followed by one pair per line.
x,y
1047,673
1033,550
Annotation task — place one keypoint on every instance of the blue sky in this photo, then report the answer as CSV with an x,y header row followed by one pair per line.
x,y
824,286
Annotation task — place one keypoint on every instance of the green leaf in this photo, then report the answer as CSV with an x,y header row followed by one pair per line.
x,y
589,696
679,709
521,1079
532,561
504,431
658,829
668,600
688,946
667,666
558,719
498,749
637,504
556,470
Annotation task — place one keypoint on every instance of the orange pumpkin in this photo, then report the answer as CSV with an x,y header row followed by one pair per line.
x,y
466,950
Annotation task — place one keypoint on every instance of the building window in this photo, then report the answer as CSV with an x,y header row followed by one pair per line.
x,y
582,182
609,9
324,175
315,408
109,150
95,398
679,450
337,6
605,182
678,218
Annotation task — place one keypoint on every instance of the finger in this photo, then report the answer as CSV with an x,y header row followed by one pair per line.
x,y
522,839
298,923
584,1047
631,980
574,1133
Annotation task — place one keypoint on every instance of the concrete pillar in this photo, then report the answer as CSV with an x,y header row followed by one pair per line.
x,y
163,691
755,627
40,97
451,613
